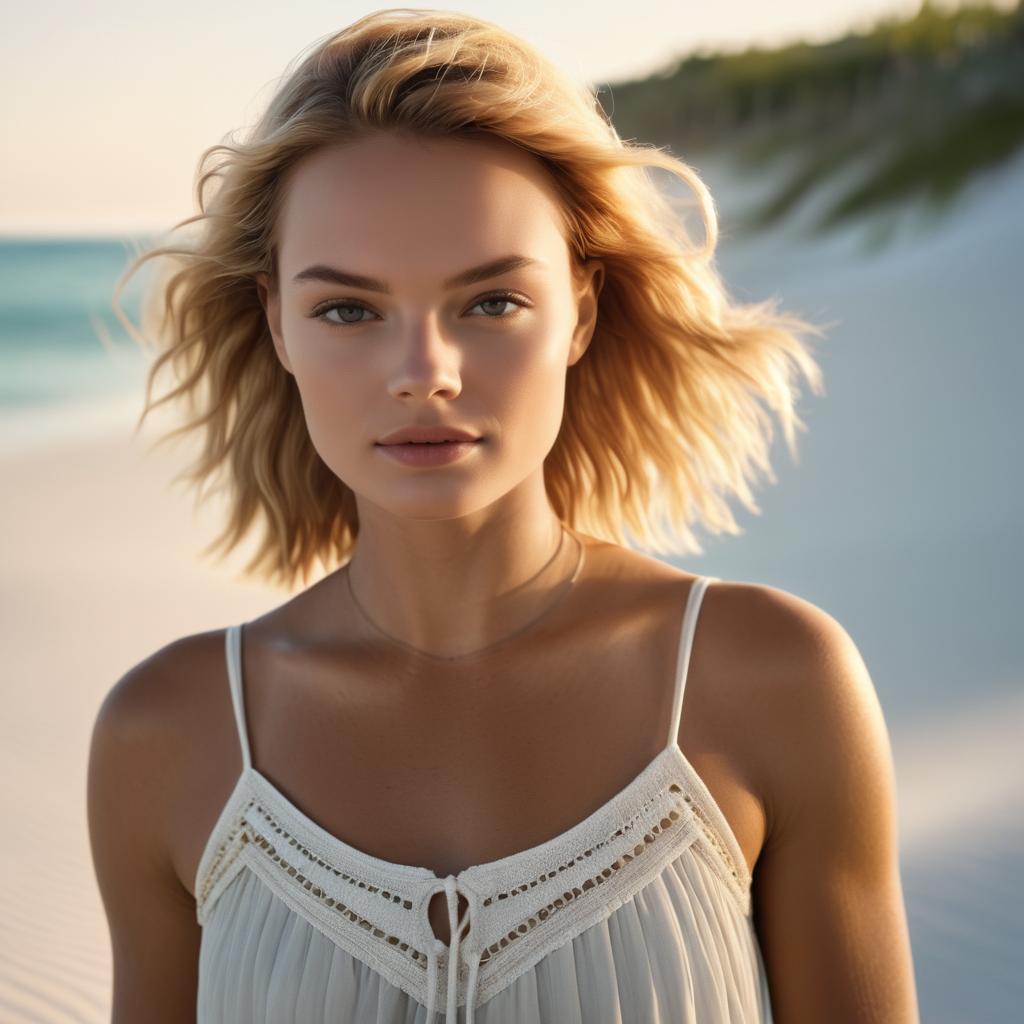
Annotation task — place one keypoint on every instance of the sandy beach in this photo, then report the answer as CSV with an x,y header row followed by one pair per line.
x,y
101,568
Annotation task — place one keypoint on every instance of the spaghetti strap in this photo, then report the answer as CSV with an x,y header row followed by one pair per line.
x,y
233,645
693,603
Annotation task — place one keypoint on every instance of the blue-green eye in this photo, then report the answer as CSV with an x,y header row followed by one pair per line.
x,y
500,299
343,307
346,307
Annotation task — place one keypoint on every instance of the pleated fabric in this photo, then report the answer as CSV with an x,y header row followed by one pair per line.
x,y
678,952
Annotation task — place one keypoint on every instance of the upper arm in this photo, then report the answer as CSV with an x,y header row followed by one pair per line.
x,y
828,899
151,916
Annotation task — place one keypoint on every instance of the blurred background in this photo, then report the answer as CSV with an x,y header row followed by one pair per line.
x,y
867,166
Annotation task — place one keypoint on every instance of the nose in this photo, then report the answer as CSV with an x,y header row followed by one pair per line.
x,y
427,364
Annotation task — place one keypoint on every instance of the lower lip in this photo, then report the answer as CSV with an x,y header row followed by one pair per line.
x,y
429,454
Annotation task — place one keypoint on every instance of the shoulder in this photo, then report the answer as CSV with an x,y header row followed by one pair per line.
x,y
137,754
783,675
144,704
808,701
827,892
789,631
780,684
774,638
769,640
151,723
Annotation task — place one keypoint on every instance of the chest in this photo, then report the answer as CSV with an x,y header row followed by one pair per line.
x,y
455,768
458,769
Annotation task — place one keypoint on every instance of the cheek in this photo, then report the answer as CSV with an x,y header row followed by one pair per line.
x,y
526,393
335,398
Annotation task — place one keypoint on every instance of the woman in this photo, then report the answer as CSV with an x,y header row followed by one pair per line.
x,y
445,341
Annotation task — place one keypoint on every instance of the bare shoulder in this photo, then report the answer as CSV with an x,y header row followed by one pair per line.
x,y
799,690
152,735
772,678
827,893
154,715
770,623
757,646
151,695
808,688
135,779
760,643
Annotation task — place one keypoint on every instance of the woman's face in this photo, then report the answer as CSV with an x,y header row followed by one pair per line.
x,y
376,315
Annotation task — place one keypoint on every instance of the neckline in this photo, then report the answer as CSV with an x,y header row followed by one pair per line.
x,y
667,760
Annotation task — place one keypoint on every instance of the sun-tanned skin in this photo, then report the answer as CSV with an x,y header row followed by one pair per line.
x,y
448,764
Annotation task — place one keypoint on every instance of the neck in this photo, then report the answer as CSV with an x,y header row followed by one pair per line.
x,y
450,589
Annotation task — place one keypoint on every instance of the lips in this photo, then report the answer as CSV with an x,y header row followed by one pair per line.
x,y
427,454
438,434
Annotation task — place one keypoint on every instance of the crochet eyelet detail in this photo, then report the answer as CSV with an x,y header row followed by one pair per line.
x,y
649,839
250,834
332,902
217,868
221,862
266,832
711,834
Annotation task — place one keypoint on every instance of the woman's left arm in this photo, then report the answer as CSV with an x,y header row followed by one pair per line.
x,y
828,900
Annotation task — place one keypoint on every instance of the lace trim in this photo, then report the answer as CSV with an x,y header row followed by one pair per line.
x,y
565,865
546,907
245,831
332,902
724,862
559,902
220,864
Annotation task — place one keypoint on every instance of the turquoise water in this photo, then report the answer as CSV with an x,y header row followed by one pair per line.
x,y
55,303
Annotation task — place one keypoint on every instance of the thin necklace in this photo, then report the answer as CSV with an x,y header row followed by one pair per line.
x,y
455,657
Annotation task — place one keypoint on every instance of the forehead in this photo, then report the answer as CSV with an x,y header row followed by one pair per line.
x,y
456,201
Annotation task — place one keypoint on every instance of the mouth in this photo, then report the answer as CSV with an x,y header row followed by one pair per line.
x,y
426,454
417,444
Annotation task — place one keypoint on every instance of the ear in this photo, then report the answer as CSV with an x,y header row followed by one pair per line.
x,y
270,300
590,278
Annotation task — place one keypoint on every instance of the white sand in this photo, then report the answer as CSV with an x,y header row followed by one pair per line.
x,y
100,568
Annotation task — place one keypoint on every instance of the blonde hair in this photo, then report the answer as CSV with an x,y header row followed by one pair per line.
x,y
663,417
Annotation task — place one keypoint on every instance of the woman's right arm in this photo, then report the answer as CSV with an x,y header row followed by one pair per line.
x,y
151,916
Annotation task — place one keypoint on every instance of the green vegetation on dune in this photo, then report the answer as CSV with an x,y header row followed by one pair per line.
x,y
917,106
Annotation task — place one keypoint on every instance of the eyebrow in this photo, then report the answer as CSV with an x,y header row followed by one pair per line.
x,y
333,275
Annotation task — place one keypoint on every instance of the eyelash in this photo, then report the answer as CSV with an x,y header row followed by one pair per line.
x,y
319,313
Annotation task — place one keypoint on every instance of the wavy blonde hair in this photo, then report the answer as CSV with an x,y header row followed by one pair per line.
x,y
665,414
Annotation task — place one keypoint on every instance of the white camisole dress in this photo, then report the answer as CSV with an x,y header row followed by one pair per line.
x,y
639,914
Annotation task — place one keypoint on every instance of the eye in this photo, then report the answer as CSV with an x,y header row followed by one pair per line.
x,y
344,307
501,299
347,307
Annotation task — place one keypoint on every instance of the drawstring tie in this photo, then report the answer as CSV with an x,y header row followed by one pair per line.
x,y
452,889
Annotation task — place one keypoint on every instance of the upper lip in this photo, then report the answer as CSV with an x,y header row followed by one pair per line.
x,y
440,433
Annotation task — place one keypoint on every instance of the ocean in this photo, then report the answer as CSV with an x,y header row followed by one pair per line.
x,y
67,365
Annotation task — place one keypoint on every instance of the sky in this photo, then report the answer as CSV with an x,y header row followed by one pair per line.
x,y
106,108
